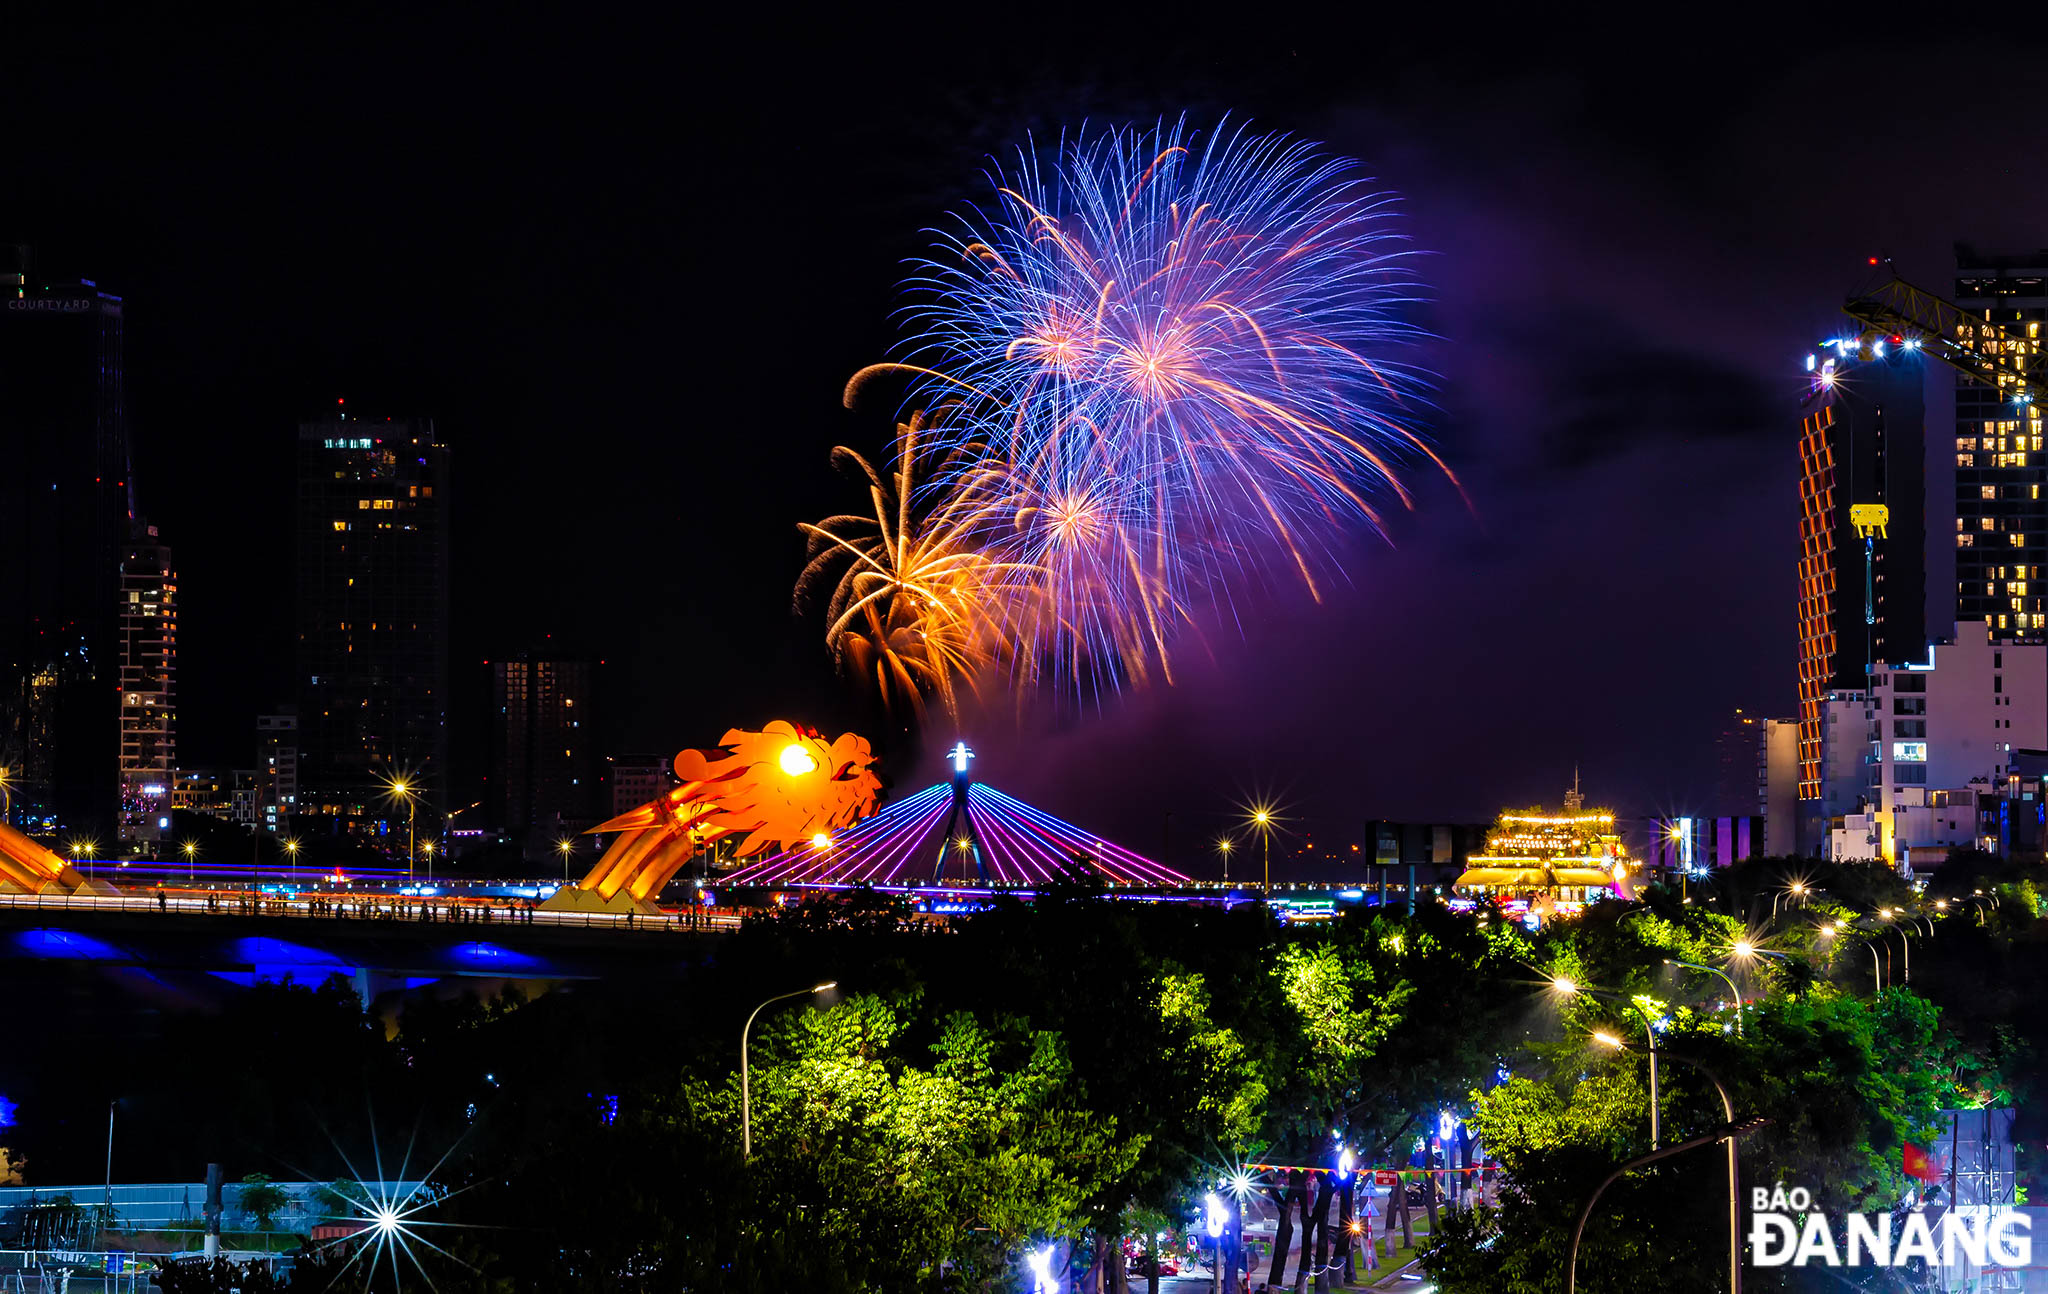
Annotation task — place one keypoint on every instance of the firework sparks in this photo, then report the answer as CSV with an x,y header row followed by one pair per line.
x,y
1177,350
917,605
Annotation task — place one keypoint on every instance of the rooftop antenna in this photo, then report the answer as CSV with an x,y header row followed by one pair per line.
x,y
1573,801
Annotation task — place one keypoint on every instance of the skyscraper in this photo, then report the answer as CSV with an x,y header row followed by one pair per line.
x,y
1739,769
64,517
277,769
1861,597
148,609
544,770
2001,518
372,617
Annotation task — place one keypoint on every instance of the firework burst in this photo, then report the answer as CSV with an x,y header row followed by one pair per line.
x,y
1174,355
917,605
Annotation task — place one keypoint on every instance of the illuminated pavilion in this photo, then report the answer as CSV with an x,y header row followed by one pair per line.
x,y
1549,863
957,833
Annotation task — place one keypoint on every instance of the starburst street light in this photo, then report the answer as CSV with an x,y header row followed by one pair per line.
x,y
1565,986
191,851
565,847
393,1228
1262,818
405,789
1224,844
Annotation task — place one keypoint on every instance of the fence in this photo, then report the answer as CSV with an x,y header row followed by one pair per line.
x,y
345,906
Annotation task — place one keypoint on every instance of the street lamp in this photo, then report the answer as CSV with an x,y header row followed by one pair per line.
x,y
1566,987
1734,1167
1715,970
404,790
428,850
85,849
1261,818
1797,889
291,853
110,1163
191,853
746,1091
565,847
1224,844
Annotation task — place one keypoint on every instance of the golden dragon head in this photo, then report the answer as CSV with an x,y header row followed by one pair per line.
x,y
780,785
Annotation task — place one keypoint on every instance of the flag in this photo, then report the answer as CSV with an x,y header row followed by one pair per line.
x,y
1924,1164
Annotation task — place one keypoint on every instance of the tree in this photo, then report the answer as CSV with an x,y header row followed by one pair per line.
x,y
262,1199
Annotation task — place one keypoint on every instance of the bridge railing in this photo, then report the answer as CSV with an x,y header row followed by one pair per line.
x,y
321,906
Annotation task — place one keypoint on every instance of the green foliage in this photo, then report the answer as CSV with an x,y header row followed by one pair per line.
x,y
262,1199
899,1169
1082,1068
1229,1086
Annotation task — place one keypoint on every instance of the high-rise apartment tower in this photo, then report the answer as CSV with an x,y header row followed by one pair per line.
x,y
544,768
2001,463
148,609
1861,594
372,618
65,512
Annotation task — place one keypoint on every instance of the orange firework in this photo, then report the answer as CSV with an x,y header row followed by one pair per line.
x,y
918,607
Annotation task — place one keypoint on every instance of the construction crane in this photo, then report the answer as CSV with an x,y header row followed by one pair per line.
x,y
1895,313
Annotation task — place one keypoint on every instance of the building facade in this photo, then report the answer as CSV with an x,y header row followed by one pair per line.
x,y
277,770
1941,735
1697,845
1781,792
148,610
65,513
636,780
2001,519
544,774
372,618
1537,864
1741,774
1862,573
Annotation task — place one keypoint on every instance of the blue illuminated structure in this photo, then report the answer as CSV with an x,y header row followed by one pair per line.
x,y
964,832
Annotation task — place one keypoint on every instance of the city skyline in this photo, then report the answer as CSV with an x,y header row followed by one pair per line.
x,y
1575,521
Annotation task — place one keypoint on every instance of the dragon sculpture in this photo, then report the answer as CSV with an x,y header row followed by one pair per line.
x,y
782,784
28,868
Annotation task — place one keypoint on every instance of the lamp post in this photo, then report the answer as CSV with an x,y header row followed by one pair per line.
x,y
428,849
108,1220
404,791
1262,819
1569,988
291,853
1744,950
1224,845
1797,889
1715,970
746,1091
1734,1167
565,847
191,867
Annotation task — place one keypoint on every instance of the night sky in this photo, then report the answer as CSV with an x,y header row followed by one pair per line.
x,y
627,270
